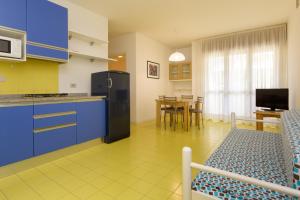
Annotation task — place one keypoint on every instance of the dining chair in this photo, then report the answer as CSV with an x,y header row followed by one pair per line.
x,y
173,111
198,111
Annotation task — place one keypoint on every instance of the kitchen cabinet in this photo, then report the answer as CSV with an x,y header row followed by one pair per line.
x,y
16,134
91,120
180,71
13,14
48,140
54,126
47,30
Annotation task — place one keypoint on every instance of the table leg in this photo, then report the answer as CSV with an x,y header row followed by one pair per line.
x,y
158,114
259,125
186,117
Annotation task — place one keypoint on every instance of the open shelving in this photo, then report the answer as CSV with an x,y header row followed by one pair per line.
x,y
90,57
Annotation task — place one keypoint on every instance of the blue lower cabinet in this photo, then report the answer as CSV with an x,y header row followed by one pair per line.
x,y
47,54
54,121
91,120
16,134
52,140
42,109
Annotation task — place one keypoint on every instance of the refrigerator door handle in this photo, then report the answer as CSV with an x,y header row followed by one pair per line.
x,y
110,83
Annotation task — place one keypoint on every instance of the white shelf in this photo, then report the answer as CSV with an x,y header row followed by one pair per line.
x,y
91,57
87,38
182,80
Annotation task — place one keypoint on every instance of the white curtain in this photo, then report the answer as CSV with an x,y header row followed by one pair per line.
x,y
235,65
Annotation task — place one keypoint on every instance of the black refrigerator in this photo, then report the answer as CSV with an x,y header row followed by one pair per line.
x,y
115,85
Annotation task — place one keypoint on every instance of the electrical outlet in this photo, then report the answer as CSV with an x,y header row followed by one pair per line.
x,y
73,85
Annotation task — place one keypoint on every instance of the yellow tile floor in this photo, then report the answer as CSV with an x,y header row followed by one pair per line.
x,y
146,166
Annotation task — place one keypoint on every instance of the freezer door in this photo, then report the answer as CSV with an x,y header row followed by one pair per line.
x,y
118,107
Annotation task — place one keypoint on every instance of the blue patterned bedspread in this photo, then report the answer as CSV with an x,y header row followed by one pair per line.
x,y
250,153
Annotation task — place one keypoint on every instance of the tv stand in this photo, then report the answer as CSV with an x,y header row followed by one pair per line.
x,y
261,114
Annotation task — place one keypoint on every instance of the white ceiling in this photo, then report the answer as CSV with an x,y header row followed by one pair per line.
x,y
178,22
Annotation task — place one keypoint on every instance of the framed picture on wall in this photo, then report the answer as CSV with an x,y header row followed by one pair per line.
x,y
153,70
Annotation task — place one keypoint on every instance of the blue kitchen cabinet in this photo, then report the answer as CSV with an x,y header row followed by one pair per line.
x,y
51,140
13,14
16,134
91,120
54,126
47,30
47,23
47,54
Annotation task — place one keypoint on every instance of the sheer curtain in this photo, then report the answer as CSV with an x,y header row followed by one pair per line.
x,y
235,65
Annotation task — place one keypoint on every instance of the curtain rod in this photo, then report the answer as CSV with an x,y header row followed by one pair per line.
x,y
244,31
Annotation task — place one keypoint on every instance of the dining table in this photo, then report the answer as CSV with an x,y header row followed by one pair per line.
x,y
178,103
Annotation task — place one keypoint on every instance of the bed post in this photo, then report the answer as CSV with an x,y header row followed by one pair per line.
x,y
186,173
233,120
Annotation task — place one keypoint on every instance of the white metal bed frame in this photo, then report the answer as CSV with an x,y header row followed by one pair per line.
x,y
187,165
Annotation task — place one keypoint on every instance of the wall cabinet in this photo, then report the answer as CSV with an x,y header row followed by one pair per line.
x,y
16,138
47,30
13,14
91,120
180,71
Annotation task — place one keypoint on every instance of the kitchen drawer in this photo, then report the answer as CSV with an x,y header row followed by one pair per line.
x,y
54,108
51,140
47,53
44,122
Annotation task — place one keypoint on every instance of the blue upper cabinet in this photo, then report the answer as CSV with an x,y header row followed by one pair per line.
x,y
13,14
16,134
91,120
47,23
47,30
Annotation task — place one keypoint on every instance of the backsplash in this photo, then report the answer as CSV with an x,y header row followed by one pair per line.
x,y
33,76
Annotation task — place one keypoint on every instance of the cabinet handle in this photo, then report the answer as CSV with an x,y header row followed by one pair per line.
x,y
41,130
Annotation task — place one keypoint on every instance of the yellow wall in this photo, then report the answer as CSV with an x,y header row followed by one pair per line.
x,y
33,76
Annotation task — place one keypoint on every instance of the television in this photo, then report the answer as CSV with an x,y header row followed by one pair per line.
x,y
272,99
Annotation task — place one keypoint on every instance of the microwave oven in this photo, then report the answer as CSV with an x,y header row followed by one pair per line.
x,y
10,47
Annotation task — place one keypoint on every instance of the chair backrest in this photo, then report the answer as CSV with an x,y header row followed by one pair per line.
x,y
161,97
199,103
170,98
188,97
169,101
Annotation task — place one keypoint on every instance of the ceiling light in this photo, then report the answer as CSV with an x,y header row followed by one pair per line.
x,y
120,56
176,57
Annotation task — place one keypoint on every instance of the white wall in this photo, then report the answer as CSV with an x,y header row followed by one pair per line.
x,y
126,44
149,89
139,49
75,76
294,58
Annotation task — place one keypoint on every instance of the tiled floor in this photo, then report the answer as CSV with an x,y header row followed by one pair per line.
x,y
146,166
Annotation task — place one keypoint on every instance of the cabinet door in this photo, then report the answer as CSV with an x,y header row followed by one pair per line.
x,y
174,72
16,134
13,14
186,71
91,120
47,23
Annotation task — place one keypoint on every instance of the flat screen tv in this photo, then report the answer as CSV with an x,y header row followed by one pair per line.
x,y
272,99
